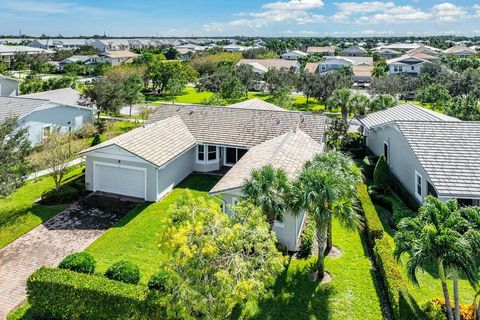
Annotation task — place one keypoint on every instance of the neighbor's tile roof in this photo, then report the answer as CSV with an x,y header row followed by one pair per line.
x,y
242,127
157,143
120,54
66,96
257,104
311,67
456,49
288,151
271,63
449,152
407,111
321,49
18,106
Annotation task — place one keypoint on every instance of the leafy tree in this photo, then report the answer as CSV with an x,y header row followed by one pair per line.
x,y
435,94
167,76
170,53
326,188
382,102
278,78
464,109
74,69
308,84
132,90
266,188
260,53
380,69
390,84
3,68
246,75
14,149
217,261
214,100
337,134
101,68
437,238
330,82
358,104
207,63
282,97
340,98
232,88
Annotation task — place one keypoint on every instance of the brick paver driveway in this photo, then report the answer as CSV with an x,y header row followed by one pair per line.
x,y
70,231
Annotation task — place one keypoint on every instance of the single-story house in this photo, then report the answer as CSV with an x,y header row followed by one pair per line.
x,y
118,57
149,162
431,51
191,46
428,152
8,86
80,59
388,53
294,55
41,116
60,44
406,64
105,45
362,67
66,96
7,52
326,51
354,51
262,65
234,48
184,53
461,51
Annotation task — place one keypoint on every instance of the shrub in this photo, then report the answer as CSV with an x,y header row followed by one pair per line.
x,y
124,271
96,140
433,311
307,239
369,166
374,224
160,280
467,312
381,174
64,294
79,262
65,194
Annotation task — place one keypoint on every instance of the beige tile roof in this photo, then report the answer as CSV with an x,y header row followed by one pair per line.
x,y
311,67
288,151
362,71
457,49
321,49
257,104
242,127
120,54
271,63
157,143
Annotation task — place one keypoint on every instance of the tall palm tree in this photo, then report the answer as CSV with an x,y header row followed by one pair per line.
x,y
266,188
436,237
340,98
324,191
382,102
358,104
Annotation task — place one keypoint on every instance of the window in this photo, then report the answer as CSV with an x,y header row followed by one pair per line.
x,y
212,153
413,68
418,186
385,150
46,131
206,153
201,153
233,155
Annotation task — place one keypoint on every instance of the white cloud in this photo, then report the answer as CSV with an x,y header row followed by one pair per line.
x,y
51,7
294,5
448,12
362,7
477,10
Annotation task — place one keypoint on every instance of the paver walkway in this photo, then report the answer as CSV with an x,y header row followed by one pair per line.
x,y
70,231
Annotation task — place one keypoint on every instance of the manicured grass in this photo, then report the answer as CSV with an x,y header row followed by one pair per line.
x,y
429,285
19,213
350,295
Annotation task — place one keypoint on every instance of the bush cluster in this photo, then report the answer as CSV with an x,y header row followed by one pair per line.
x,y
81,262
436,309
160,281
65,194
369,166
392,202
124,271
307,239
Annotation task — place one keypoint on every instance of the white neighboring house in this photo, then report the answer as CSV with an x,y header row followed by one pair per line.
x,y
41,116
149,162
326,51
354,51
7,52
406,64
60,44
191,47
461,51
261,66
105,45
294,55
234,48
388,53
118,57
8,86
334,63
79,59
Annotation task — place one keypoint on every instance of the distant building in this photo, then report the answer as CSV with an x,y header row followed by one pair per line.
x,y
406,64
59,44
105,45
461,51
326,51
362,67
388,53
118,57
7,52
294,55
354,51
261,66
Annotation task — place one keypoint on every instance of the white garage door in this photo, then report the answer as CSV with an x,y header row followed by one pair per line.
x,y
122,180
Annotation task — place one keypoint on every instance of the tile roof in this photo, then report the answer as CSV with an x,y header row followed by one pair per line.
x,y
271,63
288,151
67,96
311,67
457,49
257,104
407,111
449,154
242,127
321,49
18,106
157,143
120,54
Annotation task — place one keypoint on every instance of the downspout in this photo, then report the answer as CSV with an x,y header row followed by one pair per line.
x,y
224,205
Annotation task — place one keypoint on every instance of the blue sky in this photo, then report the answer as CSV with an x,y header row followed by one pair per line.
x,y
240,17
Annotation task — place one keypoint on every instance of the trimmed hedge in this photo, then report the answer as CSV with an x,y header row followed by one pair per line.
x,y
392,202
82,262
373,223
64,294
65,194
124,271
307,239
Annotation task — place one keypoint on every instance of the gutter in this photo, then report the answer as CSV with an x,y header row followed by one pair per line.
x,y
224,205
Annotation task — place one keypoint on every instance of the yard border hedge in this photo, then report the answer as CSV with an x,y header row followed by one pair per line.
x,y
402,304
63,294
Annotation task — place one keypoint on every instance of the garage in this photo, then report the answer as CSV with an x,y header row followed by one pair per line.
x,y
120,179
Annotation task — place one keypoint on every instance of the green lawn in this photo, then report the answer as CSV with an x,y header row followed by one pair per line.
x,y
429,286
351,295
19,213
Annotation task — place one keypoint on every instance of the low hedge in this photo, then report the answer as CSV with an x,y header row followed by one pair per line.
x,y
373,223
393,203
64,294
65,194
82,262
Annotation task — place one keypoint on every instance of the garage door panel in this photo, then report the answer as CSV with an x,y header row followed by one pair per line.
x,y
120,180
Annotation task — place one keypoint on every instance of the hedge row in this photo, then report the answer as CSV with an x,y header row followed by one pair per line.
x,y
64,294
393,203
402,303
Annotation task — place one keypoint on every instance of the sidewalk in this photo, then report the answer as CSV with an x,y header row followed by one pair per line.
x,y
48,171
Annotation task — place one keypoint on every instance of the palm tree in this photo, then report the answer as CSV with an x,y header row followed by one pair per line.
x,y
266,188
382,102
323,191
358,104
340,98
436,237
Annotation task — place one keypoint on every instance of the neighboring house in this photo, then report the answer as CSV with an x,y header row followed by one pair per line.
x,y
105,45
41,116
66,96
362,67
388,53
191,47
140,43
118,57
7,52
354,51
294,55
406,64
184,53
8,86
149,162
261,66
60,44
326,51
428,152
234,48
431,51
461,51
80,59
399,46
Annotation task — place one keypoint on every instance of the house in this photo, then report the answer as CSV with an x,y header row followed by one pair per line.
x,y
406,64
431,51
326,51
362,67
354,51
428,152
294,55
105,45
7,52
8,86
461,51
184,53
261,66
65,96
148,162
118,57
60,44
234,48
399,46
386,53
191,46
41,116
79,59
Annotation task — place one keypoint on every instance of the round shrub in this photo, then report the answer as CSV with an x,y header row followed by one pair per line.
x,y
79,262
65,194
159,281
124,271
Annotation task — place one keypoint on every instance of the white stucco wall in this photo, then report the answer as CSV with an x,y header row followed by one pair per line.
x,y
8,87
